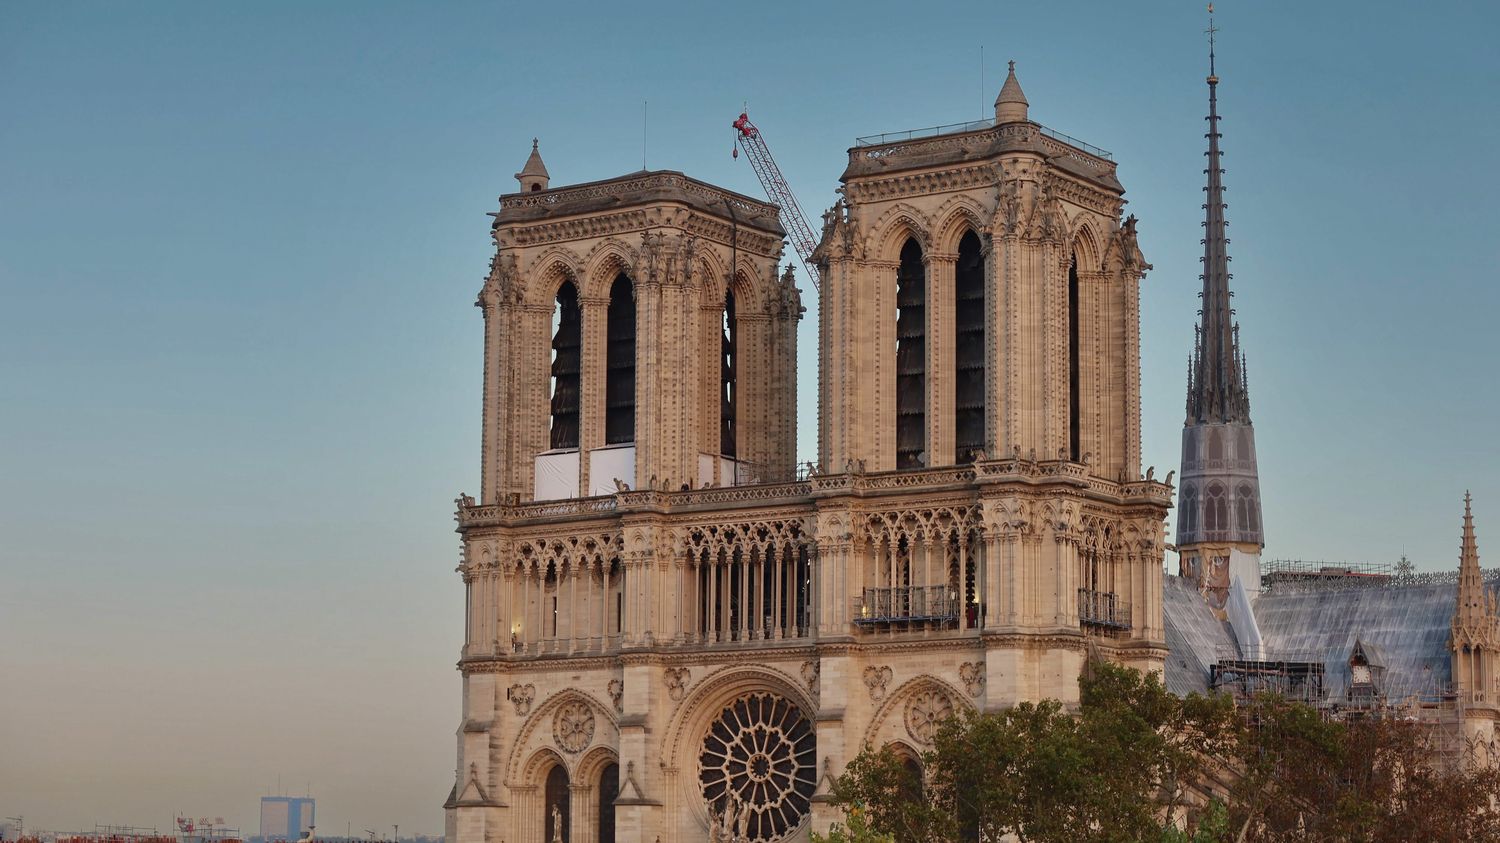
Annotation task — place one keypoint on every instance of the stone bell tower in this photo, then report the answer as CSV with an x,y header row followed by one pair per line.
x,y
981,301
601,302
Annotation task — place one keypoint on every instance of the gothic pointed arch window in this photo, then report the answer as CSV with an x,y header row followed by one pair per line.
x,y
566,364
1215,444
1244,504
911,357
728,381
969,349
1189,513
1075,450
1215,509
619,364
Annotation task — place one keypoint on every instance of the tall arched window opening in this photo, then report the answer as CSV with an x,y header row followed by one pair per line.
x,y
566,333
609,788
969,350
911,358
1189,513
1075,451
728,386
1215,511
1245,505
556,794
619,364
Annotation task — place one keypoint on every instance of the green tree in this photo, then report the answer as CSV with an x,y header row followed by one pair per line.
x,y
1367,779
1045,774
857,831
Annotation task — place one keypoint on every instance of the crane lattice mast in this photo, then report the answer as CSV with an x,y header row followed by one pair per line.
x,y
797,230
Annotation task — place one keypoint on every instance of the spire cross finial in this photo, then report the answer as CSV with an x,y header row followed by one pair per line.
x,y
1211,31
533,144
1012,65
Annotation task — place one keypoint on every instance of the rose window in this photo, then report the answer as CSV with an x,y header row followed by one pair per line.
x,y
757,767
573,726
926,710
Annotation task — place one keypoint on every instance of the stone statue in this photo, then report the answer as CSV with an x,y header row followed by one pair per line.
x,y
730,810
742,823
557,836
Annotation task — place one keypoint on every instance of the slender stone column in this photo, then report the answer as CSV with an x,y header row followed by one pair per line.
x,y
941,363
593,314
490,449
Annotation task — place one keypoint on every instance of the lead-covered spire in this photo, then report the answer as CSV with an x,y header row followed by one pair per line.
x,y
1216,391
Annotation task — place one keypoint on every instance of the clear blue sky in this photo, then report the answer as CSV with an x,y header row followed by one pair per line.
x,y
240,368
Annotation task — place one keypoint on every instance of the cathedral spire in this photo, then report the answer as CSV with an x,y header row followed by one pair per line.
x,y
1217,392
1219,532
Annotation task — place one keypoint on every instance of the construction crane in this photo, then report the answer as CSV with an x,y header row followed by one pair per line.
x,y
749,138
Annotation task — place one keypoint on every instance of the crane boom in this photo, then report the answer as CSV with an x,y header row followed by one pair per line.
x,y
797,230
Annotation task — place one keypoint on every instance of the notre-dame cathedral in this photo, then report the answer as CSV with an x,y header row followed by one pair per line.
x,y
673,634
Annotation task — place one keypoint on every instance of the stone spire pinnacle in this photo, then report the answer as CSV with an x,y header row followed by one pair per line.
x,y
534,175
1217,391
1471,603
1010,106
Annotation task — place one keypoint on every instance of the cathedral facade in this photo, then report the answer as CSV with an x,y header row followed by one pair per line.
x,y
673,634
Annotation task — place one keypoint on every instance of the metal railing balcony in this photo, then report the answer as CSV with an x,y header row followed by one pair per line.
x,y
1103,609
906,603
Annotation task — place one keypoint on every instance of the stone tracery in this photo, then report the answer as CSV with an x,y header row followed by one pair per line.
x,y
759,755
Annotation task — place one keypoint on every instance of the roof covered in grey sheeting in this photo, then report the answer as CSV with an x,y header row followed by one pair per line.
x,y
1195,638
1407,624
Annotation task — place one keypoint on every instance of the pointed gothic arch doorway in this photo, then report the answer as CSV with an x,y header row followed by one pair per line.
x,y
609,788
558,805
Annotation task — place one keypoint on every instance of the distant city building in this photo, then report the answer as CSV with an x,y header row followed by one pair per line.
x,y
286,817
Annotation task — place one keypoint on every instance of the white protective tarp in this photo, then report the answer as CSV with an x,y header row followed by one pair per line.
x,y
606,465
1242,619
556,475
1246,566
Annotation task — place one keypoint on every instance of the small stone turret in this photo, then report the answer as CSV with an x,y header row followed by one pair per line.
x,y
533,176
1010,106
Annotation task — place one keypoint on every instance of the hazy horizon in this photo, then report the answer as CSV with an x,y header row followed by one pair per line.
x,y
240,245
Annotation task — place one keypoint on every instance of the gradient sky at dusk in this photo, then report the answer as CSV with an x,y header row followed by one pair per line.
x,y
240,369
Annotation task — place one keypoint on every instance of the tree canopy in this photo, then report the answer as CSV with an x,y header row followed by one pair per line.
x,y
1136,763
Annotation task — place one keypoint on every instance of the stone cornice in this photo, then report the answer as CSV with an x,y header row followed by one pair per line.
x,y
857,646
638,188
533,234
984,145
1083,194
900,186
983,479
